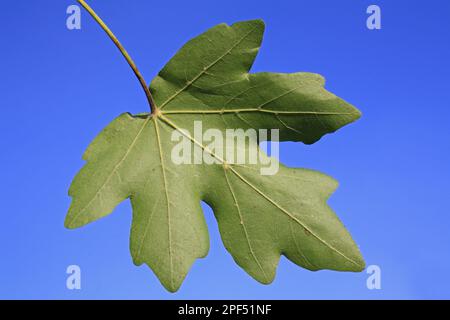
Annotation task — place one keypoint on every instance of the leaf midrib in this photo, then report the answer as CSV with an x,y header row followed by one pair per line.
x,y
169,229
219,111
241,218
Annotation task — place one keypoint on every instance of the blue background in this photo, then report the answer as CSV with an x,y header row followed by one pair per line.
x,y
59,88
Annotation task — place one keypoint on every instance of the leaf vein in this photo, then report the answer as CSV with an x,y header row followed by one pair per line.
x,y
169,230
242,223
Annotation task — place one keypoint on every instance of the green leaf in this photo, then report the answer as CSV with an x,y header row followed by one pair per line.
x,y
260,217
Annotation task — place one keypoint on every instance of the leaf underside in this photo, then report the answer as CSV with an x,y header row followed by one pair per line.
x,y
259,217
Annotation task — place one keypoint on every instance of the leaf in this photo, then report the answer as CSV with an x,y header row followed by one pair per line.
x,y
260,217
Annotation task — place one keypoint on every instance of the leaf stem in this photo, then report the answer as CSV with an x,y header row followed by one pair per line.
x,y
124,52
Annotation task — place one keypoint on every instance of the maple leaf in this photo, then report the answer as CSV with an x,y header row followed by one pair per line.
x,y
260,217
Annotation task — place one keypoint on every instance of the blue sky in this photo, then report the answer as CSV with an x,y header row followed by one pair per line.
x,y
59,88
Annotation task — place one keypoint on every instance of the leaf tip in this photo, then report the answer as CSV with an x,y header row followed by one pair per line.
x,y
68,224
361,264
171,285
172,289
358,114
254,23
71,222
358,263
